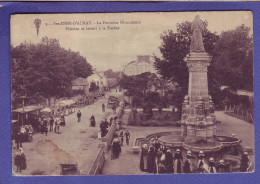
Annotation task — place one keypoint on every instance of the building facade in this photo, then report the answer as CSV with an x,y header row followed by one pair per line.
x,y
141,65
81,84
98,78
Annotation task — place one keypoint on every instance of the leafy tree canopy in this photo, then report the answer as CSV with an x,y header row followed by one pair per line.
x,y
232,62
45,69
233,59
174,47
137,85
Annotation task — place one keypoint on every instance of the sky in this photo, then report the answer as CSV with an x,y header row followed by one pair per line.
x,y
117,44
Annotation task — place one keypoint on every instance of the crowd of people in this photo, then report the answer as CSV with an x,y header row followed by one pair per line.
x,y
51,121
104,124
118,142
156,158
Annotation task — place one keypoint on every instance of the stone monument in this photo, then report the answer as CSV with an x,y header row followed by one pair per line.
x,y
198,120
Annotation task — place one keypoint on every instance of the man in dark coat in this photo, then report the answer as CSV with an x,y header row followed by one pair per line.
x,y
127,137
122,137
18,140
45,126
63,123
79,115
103,107
103,128
51,124
152,161
106,123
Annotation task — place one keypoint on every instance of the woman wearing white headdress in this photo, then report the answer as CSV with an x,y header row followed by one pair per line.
x,y
202,166
20,160
178,162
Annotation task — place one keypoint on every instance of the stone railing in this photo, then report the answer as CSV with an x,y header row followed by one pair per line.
x,y
239,113
98,163
110,135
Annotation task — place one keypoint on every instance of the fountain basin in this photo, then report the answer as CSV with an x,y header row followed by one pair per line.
x,y
206,147
227,141
174,139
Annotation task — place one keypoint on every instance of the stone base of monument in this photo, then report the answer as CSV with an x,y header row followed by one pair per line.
x,y
196,133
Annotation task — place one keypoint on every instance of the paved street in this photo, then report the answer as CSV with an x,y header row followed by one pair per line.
x,y
77,142
128,163
230,125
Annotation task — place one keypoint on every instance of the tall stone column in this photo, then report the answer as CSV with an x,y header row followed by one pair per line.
x,y
198,122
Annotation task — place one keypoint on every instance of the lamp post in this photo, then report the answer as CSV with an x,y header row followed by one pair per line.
x,y
23,97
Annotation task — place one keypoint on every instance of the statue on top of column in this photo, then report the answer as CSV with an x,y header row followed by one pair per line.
x,y
196,37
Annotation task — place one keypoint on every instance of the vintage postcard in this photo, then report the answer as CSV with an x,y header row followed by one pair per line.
x,y
132,93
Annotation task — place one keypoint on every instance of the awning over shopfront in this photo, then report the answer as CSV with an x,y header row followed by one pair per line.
x,y
65,103
27,109
46,109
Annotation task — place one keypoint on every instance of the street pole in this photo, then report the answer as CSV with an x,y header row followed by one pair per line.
x,y
23,112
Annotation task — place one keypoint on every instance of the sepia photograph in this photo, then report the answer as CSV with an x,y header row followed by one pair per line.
x,y
138,93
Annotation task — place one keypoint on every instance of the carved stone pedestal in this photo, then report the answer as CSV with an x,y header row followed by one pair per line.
x,y
197,116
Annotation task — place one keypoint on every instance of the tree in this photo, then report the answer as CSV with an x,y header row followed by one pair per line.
x,y
45,69
233,59
174,48
142,88
138,85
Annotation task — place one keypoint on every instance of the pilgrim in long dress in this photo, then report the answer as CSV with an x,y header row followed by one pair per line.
x,y
152,161
116,148
20,160
244,162
212,166
178,162
202,166
188,166
169,161
144,158
221,168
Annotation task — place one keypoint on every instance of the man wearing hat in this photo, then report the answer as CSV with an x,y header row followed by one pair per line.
x,y
178,162
212,166
202,166
188,167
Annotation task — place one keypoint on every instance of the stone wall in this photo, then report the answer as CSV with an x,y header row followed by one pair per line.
x,y
98,163
166,118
